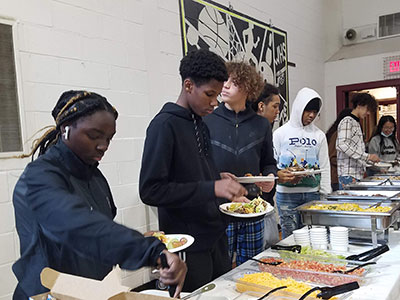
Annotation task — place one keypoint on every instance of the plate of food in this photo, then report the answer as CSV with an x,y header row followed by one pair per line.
x,y
255,208
175,242
254,179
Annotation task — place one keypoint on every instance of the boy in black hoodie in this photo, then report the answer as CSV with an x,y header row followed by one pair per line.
x,y
242,143
178,174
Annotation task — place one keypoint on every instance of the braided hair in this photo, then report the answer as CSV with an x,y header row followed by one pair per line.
x,y
379,129
71,106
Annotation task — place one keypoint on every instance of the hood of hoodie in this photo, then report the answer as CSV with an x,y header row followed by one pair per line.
x,y
177,110
304,96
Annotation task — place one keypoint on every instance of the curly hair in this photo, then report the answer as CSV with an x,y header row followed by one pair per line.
x,y
201,66
247,78
365,99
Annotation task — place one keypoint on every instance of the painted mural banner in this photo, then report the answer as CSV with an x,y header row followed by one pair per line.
x,y
234,36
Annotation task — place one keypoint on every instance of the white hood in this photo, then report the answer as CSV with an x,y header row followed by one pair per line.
x,y
304,96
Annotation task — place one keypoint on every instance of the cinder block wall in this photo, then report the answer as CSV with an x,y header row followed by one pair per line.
x,y
129,51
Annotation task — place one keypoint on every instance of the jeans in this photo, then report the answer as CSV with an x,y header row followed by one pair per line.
x,y
289,217
345,180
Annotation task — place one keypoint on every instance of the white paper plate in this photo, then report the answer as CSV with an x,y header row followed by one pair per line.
x,y
224,209
189,242
307,172
254,179
380,165
160,293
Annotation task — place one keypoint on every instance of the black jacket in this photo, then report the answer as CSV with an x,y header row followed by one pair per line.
x,y
241,142
178,176
64,211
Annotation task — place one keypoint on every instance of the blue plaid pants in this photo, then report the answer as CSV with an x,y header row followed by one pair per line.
x,y
246,239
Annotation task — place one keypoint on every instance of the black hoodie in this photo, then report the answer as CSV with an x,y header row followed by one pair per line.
x,y
178,176
241,142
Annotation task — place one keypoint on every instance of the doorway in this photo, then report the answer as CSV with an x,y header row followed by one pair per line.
x,y
387,94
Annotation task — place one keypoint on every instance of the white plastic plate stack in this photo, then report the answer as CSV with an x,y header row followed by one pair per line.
x,y
319,238
302,236
339,237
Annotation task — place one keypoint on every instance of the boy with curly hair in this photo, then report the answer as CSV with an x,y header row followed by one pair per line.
x,y
241,143
178,174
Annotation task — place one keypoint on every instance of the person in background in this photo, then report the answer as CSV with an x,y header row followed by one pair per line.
x,y
241,143
351,155
300,143
64,209
178,174
331,136
384,141
267,106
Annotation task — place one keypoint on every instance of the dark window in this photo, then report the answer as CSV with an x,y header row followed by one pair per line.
x,y
10,129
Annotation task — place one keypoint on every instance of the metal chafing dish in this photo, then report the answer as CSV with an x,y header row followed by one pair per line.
x,y
367,195
385,184
372,221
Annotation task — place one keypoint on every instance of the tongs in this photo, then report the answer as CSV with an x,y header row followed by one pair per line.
x,y
370,254
273,263
355,268
377,204
293,248
204,289
272,291
328,292
386,180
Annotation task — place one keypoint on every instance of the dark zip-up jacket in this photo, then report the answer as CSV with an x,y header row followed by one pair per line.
x,y
241,142
178,176
64,211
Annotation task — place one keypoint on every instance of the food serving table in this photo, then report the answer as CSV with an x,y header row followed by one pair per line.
x,y
383,285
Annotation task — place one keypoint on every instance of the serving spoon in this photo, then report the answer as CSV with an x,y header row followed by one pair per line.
x,y
204,289
355,268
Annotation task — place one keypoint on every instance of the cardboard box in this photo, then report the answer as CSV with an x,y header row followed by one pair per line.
x,y
69,287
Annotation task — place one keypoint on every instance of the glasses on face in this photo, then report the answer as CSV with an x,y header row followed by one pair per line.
x,y
391,128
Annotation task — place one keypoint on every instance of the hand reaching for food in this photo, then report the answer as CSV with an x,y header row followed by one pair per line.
x,y
229,189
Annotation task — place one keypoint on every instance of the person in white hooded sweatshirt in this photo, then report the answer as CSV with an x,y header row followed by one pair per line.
x,y
300,142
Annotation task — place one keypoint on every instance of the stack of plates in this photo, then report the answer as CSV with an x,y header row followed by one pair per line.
x,y
319,238
339,238
302,236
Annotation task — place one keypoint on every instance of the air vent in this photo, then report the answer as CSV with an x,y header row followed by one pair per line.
x,y
389,25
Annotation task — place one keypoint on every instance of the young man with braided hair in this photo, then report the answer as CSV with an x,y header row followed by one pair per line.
x,y
64,207
178,174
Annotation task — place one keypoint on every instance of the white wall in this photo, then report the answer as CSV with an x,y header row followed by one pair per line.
x,y
363,12
360,69
129,51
